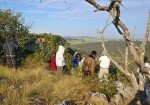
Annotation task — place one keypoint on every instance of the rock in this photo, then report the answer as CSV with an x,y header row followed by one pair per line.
x,y
117,99
36,99
126,91
98,98
67,102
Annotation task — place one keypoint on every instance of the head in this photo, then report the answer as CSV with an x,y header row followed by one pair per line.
x,y
79,56
61,49
145,59
75,54
9,37
83,58
53,53
94,53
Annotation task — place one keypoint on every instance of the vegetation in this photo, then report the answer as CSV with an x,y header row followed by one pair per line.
x,y
112,46
13,24
81,40
33,47
138,55
33,84
38,86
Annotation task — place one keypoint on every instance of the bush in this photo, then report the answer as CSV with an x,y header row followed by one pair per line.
x,y
108,89
13,24
36,50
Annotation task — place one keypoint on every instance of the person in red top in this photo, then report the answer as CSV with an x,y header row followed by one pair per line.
x,y
52,63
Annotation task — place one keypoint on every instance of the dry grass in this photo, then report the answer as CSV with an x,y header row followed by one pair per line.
x,y
29,87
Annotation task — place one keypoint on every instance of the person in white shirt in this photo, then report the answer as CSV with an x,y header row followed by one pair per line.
x,y
146,63
60,62
104,68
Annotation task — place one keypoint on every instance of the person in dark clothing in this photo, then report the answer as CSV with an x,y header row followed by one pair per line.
x,y
10,48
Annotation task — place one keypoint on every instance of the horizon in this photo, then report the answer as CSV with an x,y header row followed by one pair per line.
x,y
82,37
77,18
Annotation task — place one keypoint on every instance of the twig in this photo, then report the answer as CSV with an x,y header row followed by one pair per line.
x,y
126,56
121,52
144,42
102,31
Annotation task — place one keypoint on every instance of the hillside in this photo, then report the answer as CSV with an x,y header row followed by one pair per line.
x,y
112,46
81,40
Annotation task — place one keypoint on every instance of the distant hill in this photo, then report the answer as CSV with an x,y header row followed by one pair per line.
x,y
112,46
81,39
73,37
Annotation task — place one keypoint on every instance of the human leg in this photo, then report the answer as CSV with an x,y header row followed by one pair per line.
x,y
106,72
60,69
8,62
101,74
14,62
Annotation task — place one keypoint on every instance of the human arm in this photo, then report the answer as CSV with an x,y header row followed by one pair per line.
x,y
16,45
147,65
93,65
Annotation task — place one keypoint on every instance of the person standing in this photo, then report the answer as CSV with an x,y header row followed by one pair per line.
x,y
60,61
146,95
75,60
104,68
146,62
10,49
89,64
52,63
80,66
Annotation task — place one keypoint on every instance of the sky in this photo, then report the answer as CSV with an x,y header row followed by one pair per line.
x,y
77,17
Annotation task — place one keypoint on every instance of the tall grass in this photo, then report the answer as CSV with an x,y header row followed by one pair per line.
x,y
37,86
34,86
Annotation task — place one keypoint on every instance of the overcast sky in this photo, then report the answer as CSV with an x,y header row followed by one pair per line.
x,y
76,17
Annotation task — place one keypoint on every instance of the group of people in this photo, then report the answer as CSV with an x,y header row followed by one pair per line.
x,y
89,66
57,62
85,64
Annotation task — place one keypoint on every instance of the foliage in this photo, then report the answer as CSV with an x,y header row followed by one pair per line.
x,y
49,46
107,88
13,24
31,49
41,46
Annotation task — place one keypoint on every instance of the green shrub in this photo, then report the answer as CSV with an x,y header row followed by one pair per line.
x,y
107,88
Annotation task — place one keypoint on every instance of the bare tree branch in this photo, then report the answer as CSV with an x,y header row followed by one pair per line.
x,y
135,50
97,6
138,53
126,56
102,31
115,63
144,42
121,52
130,76
107,24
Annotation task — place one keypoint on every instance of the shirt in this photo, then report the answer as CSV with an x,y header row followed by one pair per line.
x,y
147,65
104,62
